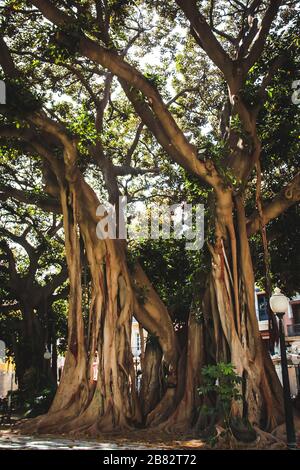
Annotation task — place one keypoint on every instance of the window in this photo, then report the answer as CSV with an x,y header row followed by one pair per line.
x,y
262,302
138,341
296,312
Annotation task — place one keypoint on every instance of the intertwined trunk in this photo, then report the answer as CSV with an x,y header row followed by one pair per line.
x,y
32,370
83,404
227,329
233,292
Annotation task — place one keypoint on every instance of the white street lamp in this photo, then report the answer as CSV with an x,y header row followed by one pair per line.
x,y
47,354
279,304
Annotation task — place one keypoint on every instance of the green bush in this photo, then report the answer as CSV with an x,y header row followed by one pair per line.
x,y
221,386
39,404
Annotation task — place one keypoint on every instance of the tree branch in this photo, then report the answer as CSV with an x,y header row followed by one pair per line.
x,y
12,269
206,38
46,203
278,62
130,170
20,240
6,61
134,143
263,31
116,64
181,93
287,197
6,309
103,102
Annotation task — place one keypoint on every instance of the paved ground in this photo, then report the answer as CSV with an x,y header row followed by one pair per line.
x,y
10,438
14,442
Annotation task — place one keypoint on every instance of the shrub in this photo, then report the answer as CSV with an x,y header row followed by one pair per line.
x,y
221,385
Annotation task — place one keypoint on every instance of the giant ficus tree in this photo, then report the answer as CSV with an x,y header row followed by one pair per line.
x,y
33,273
92,43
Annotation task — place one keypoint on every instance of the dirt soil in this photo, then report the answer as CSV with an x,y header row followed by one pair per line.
x,y
11,437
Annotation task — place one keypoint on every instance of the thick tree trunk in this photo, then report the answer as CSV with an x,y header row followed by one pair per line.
x,y
185,414
233,283
30,367
152,387
229,332
110,402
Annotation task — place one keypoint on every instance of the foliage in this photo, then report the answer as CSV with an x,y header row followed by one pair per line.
x,y
173,270
72,90
222,386
38,404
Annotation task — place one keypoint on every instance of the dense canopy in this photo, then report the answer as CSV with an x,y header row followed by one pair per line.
x,y
163,102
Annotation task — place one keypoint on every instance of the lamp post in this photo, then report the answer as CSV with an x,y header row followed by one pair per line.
x,y
279,305
47,354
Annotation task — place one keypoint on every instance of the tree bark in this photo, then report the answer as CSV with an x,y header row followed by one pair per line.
x,y
29,351
229,332
82,404
229,318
